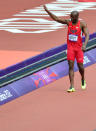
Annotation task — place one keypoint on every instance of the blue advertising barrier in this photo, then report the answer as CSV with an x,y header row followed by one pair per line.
x,y
43,77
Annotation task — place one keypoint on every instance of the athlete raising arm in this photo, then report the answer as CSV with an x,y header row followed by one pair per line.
x,y
75,47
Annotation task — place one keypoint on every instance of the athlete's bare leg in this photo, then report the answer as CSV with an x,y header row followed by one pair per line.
x,y
71,72
81,70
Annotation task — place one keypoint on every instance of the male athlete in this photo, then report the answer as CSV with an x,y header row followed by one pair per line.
x,y
75,47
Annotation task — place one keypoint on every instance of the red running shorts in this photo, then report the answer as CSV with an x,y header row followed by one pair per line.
x,y
73,53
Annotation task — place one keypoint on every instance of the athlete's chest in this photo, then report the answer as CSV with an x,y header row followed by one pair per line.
x,y
74,32
74,29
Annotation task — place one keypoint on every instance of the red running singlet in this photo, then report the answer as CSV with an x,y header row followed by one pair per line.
x,y
74,43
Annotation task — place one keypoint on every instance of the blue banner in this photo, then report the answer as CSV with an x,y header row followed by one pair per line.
x,y
41,78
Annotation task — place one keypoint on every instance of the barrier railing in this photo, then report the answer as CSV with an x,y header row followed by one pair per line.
x,y
38,63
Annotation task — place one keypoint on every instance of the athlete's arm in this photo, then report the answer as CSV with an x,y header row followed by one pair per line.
x,y
86,33
63,21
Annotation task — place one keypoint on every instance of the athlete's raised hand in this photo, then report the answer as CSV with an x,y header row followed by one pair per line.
x,y
54,17
45,7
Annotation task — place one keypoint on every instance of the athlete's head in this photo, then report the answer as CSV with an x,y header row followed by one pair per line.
x,y
74,16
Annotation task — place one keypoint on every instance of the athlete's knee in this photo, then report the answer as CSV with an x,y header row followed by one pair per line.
x,y
71,65
80,66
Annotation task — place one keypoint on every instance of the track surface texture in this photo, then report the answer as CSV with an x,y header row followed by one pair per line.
x,y
49,108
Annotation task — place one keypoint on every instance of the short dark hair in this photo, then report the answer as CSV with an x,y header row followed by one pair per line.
x,y
75,13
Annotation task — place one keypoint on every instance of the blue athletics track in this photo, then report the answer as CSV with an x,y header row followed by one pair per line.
x,y
34,71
